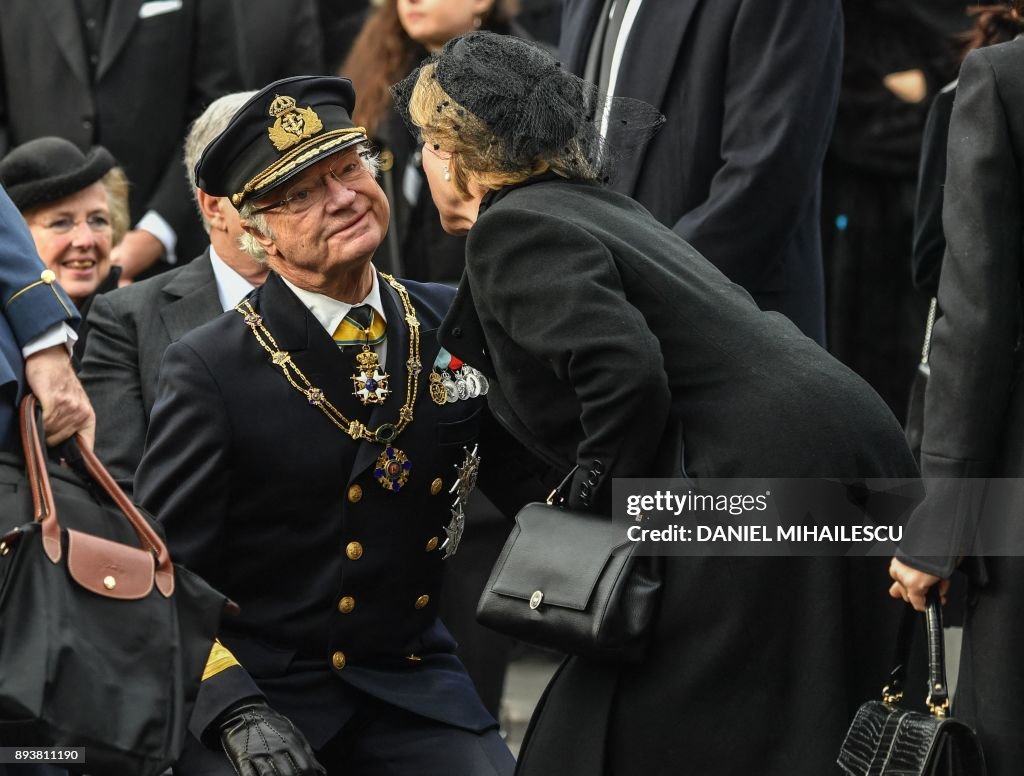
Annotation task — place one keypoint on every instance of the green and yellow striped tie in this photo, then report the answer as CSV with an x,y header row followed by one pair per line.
x,y
362,326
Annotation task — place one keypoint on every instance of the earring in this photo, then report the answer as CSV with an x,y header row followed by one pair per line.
x,y
447,175
476,22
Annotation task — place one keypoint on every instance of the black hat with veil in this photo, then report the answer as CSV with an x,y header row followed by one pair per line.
x,y
506,105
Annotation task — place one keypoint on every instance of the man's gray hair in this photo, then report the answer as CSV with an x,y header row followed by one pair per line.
x,y
371,161
204,129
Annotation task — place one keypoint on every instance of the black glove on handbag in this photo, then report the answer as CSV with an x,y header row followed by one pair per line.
x,y
261,742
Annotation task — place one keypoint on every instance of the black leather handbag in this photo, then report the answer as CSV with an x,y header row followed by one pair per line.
x,y
102,639
572,581
885,740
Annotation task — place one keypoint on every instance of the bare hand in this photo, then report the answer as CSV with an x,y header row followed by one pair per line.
x,y
909,85
912,585
137,252
66,408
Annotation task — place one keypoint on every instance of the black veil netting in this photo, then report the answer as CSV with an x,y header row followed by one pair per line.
x,y
507,105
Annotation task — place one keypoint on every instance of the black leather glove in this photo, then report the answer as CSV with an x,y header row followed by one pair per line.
x,y
261,742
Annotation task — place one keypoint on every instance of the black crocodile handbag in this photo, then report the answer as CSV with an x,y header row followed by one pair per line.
x,y
572,581
886,740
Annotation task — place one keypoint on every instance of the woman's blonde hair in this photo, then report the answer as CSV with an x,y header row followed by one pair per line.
x,y
116,184
507,111
476,153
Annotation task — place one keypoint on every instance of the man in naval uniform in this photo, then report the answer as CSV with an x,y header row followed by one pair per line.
x,y
304,456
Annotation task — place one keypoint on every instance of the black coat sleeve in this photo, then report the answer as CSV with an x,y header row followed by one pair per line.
x,y
974,341
929,239
184,479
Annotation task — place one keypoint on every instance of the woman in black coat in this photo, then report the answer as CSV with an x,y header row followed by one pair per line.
x,y
599,328
974,404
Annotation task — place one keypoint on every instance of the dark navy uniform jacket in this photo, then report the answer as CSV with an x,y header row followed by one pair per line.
x,y
338,579
30,303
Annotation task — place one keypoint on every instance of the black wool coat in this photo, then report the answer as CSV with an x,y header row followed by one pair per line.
x,y
974,405
601,328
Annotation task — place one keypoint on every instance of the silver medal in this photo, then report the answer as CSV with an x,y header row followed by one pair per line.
x,y
485,386
454,531
472,384
451,392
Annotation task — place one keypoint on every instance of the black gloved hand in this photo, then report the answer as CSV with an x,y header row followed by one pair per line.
x,y
261,742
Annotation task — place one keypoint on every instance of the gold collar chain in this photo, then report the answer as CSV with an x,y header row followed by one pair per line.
x,y
385,433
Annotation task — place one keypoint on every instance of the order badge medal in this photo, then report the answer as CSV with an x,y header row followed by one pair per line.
x,y
369,383
465,481
437,392
392,470
453,532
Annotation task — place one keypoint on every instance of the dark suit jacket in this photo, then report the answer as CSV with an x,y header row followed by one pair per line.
x,y
749,89
28,307
154,76
602,328
129,330
261,494
281,40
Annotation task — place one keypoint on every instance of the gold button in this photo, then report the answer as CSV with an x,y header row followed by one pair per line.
x,y
109,583
338,660
354,550
355,493
48,276
386,160
435,486
422,601
346,604
432,544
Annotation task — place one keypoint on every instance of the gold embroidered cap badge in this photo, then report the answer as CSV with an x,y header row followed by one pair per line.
x,y
292,124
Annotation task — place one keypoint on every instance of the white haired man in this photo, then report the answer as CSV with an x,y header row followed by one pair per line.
x,y
132,326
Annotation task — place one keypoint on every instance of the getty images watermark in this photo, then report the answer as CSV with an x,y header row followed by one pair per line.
x,y
816,517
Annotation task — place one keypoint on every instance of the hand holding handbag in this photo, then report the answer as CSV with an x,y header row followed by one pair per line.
x,y
572,581
885,740
102,639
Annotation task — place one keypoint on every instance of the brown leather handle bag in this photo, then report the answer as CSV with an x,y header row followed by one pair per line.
x,y
103,639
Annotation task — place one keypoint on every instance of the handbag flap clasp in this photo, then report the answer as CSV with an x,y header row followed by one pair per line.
x,y
110,569
538,563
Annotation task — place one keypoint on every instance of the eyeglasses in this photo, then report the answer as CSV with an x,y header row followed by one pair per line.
x,y
98,224
308,193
